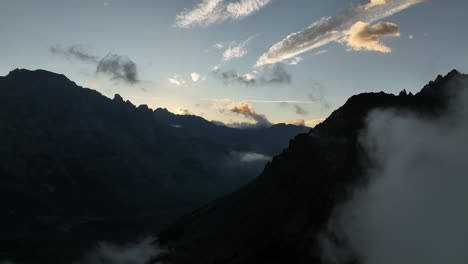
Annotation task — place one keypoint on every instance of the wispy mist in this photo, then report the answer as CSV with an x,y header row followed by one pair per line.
x,y
414,208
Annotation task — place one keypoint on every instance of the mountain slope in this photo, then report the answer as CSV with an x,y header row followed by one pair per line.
x,y
72,159
278,217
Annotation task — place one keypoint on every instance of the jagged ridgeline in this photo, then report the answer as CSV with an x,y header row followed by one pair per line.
x,y
76,166
281,215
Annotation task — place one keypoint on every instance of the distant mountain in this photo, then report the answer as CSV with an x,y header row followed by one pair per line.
x,y
74,163
278,217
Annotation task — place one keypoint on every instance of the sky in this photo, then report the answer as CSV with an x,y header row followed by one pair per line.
x,y
236,61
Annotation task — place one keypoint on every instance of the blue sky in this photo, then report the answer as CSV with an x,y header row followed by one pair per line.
x,y
172,41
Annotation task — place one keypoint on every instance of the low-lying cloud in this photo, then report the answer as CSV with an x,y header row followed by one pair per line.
x,y
210,12
143,251
413,209
331,29
297,122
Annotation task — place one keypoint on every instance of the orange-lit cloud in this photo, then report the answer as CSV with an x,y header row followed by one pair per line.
x,y
182,111
297,122
313,123
375,3
364,36
247,111
91,84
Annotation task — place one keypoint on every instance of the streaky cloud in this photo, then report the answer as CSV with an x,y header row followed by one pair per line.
x,y
331,29
210,12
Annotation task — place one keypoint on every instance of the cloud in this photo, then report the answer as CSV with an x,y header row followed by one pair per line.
x,y
236,50
317,95
119,68
375,3
295,60
195,76
270,74
140,252
250,157
331,29
413,208
91,85
363,36
313,123
74,52
297,122
209,12
176,80
299,110
218,45
320,52
182,111
247,111
234,77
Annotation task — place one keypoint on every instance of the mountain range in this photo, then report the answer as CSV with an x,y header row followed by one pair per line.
x,y
77,166
282,215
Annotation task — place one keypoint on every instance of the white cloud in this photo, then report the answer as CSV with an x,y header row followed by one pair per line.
x,y
295,60
176,80
209,12
141,252
236,50
250,157
195,76
320,52
331,29
218,45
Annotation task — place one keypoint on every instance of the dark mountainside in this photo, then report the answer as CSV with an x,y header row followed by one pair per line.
x,y
278,217
76,166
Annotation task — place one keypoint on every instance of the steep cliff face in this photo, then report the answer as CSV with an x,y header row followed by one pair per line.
x,y
279,216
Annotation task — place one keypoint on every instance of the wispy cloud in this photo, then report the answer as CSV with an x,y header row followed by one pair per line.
x,y
209,12
77,52
295,60
331,29
320,52
270,74
236,50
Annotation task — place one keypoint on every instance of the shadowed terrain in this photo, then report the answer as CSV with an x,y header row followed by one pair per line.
x,y
74,163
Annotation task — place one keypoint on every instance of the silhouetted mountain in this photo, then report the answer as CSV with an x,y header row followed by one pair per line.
x,y
278,217
75,163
